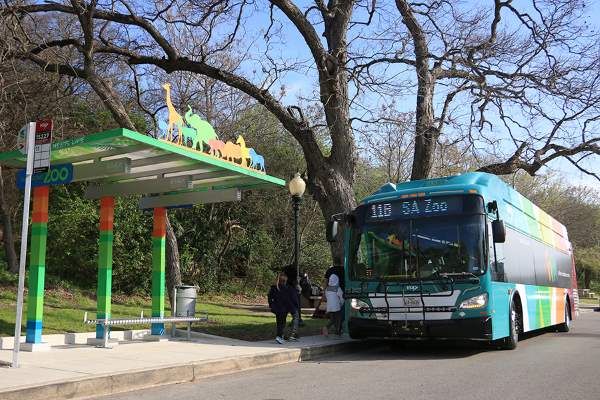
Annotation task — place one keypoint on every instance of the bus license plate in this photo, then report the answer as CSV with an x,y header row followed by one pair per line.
x,y
412,301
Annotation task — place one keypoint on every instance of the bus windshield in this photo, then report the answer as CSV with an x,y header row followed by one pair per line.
x,y
420,248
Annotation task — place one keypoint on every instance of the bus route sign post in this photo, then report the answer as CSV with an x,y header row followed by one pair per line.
x,y
37,145
43,143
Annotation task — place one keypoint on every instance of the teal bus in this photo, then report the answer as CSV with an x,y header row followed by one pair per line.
x,y
461,257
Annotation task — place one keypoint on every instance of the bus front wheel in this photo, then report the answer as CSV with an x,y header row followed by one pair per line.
x,y
356,334
510,342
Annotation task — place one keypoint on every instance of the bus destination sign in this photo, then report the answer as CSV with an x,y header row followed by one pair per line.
x,y
414,208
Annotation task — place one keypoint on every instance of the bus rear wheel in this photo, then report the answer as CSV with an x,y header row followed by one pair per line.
x,y
565,326
514,320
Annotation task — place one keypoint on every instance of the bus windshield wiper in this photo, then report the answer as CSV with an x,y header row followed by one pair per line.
x,y
470,275
442,275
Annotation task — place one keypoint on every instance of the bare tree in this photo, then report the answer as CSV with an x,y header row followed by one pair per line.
x,y
330,175
531,70
357,53
388,144
101,86
5,214
26,93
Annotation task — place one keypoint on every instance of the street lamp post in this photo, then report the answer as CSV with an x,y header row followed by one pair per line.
x,y
297,187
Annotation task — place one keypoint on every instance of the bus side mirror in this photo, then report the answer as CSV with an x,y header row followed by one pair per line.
x,y
332,231
498,231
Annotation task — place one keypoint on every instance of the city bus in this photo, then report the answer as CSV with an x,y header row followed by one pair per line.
x,y
461,257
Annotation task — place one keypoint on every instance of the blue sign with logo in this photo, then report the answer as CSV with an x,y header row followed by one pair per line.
x,y
56,175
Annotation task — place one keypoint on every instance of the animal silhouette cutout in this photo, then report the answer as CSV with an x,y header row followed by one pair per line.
x,y
204,131
244,150
174,118
231,151
193,131
187,135
216,147
257,161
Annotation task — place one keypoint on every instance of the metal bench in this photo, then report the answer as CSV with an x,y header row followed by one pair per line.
x,y
143,321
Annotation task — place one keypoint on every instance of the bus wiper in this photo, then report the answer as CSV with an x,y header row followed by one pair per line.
x,y
442,275
462,274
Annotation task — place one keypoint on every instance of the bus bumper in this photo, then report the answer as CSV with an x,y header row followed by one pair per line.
x,y
468,328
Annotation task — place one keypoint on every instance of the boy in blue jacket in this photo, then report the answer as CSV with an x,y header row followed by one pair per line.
x,y
283,299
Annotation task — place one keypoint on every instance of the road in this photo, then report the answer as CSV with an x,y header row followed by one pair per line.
x,y
546,366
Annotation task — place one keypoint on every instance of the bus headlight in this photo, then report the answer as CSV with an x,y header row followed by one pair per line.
x,y
475,302
357,304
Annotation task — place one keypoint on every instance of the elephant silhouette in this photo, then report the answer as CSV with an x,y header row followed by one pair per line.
x,y
204,130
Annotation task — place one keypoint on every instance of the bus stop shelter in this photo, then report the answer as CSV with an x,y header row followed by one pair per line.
x,y
121,162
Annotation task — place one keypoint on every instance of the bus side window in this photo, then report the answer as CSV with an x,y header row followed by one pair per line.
x,y
520,255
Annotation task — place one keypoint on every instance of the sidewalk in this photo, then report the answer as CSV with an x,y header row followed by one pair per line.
x,y
72,371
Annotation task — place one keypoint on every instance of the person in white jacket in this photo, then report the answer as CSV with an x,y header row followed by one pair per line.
x,y
335,302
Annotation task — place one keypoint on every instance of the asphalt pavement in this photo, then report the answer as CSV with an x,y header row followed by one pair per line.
x,y
545,366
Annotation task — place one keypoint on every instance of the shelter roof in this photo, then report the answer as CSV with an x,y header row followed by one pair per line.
x,y
125,162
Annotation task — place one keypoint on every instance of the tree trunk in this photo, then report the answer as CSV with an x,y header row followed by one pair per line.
x,y
333,191
426,133
587,278
173,267
8,238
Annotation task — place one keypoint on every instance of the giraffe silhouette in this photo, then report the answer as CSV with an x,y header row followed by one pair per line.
x,y
174,118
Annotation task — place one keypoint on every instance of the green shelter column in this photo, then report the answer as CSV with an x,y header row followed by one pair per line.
x,y
37,264
105,261
158,268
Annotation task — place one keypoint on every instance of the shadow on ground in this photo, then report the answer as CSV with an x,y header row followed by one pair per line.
x,y
407,349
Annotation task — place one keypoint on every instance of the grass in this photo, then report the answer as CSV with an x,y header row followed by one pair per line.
x,y
63,312
593,302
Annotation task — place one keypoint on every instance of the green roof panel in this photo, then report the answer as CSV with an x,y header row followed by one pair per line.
x,y
121,156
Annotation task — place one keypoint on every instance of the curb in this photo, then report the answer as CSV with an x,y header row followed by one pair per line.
x,y
103,385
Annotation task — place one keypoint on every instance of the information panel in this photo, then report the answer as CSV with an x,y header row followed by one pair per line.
x,y
56,175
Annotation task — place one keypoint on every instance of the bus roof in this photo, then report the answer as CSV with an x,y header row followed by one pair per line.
x,y
515,209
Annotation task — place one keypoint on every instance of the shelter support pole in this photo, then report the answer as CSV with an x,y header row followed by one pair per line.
x,y
37,264
159,232
105,263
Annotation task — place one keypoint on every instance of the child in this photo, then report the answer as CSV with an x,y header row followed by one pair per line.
x,y
335,301
283,299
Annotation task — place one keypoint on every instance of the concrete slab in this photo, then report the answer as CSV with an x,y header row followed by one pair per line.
x,y
155,338
35,347
100,342
71,371
59,339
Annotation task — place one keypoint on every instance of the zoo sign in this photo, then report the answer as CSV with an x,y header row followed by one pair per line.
x,y
56,175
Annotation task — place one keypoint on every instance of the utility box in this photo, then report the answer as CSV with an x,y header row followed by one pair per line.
x,y
185,301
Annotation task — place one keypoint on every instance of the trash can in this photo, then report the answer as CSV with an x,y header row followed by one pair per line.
x,y
186,301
